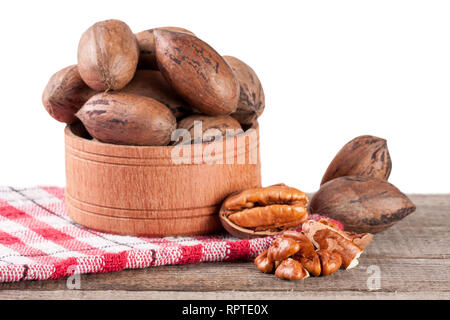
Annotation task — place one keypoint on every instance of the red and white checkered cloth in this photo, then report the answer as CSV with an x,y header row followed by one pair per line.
x,y
39,241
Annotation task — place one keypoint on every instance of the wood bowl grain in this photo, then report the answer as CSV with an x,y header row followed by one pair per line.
x,y
142,191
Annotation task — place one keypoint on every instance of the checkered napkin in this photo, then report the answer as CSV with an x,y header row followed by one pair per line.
x,y
39,241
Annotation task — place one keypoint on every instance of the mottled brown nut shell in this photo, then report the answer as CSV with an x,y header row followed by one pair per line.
x,y
265,211
263,263
362,240
210,127
151,83
362,204
121,118
366,156
146,43
291,269
251,97
108,55
65,94
197,72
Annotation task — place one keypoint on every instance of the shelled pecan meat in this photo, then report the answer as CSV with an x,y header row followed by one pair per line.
x,y
291,269
263,211
319,250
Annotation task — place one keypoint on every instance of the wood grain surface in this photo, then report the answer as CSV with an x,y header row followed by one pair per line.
x,y
413,258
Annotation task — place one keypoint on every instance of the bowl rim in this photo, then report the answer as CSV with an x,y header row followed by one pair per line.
x,y
77,142
69,131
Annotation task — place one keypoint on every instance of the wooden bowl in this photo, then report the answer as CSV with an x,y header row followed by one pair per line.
x,y
146,191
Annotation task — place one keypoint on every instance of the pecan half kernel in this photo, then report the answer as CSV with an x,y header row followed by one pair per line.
x,y
263,211
291,269
263,263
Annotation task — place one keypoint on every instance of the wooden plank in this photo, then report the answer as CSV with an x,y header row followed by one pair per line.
x,y
413,257
217,295
423,234
403,275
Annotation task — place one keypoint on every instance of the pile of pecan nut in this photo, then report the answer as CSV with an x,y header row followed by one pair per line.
x,y
319,250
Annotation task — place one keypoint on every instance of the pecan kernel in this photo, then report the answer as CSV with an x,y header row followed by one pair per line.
x,y
282,248
263,211
291,269
263,263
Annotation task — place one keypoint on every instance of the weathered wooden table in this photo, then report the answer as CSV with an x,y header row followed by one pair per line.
x,y
409,260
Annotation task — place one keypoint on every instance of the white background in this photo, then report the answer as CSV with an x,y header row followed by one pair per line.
x,y
331,70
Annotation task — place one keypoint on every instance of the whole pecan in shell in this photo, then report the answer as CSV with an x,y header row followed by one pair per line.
x,y
147,52
196,72
108,55
151,84
251,97
366,156
122,118
210,127
361,204
65,94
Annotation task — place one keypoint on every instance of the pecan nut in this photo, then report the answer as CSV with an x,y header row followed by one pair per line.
x,y
325,237
291,269
263,211
282,248
330,261
263,263
294,255
306,255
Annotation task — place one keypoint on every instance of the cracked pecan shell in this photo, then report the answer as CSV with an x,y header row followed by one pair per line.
x,y
266,211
